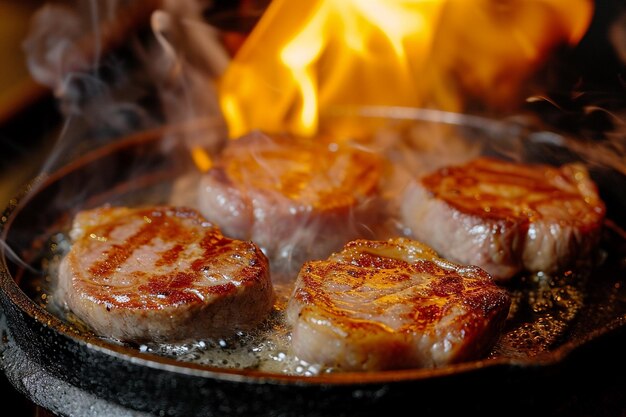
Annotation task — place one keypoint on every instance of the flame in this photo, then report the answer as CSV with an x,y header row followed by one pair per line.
x,y
201,158
304,58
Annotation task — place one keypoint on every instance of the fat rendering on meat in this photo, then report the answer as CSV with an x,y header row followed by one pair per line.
x,y
298,199
162,274
507,217
393,304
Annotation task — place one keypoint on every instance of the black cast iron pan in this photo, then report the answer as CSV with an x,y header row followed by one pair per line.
x,y
579,367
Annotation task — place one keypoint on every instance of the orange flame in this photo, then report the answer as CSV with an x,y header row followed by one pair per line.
x,y
319,55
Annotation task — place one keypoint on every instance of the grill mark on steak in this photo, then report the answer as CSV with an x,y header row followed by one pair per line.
x,y
536,187
507,217
156,225
213,245
171,286
170,256
394,304
162,273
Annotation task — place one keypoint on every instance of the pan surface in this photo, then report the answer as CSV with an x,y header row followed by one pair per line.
x,y
542,347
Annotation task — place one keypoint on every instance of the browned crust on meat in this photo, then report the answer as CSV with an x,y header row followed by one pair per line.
x,y
156,291
291,166
467,294
507,217
446,289
163,291
506,191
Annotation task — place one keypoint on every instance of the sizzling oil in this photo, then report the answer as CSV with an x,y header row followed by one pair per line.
x,y
267,348
542,311
543,308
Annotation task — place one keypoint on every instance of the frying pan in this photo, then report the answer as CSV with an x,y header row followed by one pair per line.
x,y
585,359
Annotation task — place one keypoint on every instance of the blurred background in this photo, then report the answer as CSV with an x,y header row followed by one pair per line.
x,y
19,94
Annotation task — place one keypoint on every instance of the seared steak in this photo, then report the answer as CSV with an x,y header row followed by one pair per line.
x,y
393,304
162,274
507,217
297,199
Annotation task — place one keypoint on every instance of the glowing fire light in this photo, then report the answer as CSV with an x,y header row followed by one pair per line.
x,y
202,159
306,57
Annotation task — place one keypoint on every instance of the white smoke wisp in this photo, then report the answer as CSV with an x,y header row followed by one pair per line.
x,y
118,68
121,66
10,254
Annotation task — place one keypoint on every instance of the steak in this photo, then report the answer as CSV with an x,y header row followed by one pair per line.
x,y
393,304
297,199
507,217
162,274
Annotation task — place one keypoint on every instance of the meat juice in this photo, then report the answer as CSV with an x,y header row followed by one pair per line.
x,y
543,308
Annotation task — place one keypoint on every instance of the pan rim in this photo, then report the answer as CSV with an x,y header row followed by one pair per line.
x,y
17,297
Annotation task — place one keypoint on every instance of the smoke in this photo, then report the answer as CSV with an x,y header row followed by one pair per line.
x,y
118,67
9,253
